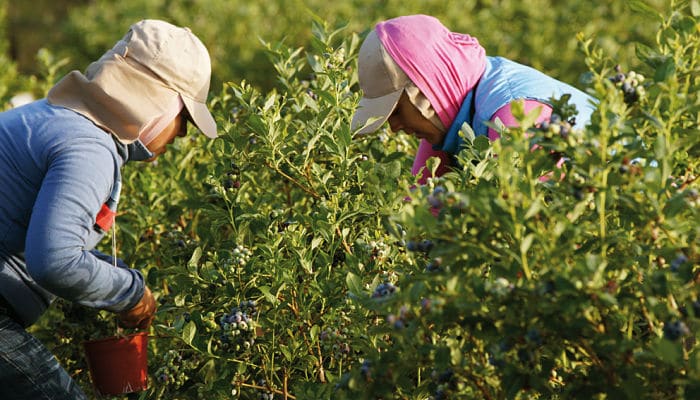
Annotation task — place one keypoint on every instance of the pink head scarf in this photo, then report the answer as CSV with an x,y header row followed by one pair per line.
x,y
444,65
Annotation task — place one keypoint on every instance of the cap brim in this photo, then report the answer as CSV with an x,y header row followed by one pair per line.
x,y
372,113
201,117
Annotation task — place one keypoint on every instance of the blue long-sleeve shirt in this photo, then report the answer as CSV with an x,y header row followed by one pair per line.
x,y
57,169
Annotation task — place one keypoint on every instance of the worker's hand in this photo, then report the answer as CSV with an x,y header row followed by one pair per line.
x,y
142,314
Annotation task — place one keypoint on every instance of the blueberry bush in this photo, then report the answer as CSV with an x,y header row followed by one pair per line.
x,y
294,260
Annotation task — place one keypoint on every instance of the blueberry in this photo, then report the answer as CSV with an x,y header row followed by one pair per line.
x,y
411,246
678,261
496,362
549,287
439,395
446,376
438,190
365,370
504,346
434,201
674,330
434,265
426,246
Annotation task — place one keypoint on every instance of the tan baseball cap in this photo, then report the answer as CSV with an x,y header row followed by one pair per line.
x,y
180,60
137,80
382,81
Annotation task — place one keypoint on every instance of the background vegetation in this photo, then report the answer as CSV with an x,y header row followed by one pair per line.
x,y
541,33
347,283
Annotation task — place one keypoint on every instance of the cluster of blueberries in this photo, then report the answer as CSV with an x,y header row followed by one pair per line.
x,y
446,382
238,327
630,83
336,340
240,256
174,370
265,394
383,290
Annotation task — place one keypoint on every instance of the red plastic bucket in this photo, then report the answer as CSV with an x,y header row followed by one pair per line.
x,y
119,364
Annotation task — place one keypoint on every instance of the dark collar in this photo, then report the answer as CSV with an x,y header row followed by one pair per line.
x,y
134,151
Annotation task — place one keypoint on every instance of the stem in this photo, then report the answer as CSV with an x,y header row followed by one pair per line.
x,y
519,238
479,385
345,244
294,181
603,193
321,371
273,390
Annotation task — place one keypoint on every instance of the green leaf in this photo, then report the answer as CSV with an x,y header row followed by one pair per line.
x,y
417,291
482,143
481,168
265,290
467,133
669,351
391,170
208,371
354,283
455,352
314,332
535,207
607,298
695,8
452,284
644,9
188,332
526,243
269,102
194,259
257,125
311,103
665,70
660,149
286,352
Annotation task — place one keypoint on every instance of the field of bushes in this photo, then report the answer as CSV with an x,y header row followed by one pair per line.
x,y
292,260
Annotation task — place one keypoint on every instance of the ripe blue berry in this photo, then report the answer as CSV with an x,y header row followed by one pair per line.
x,y
434,201
675,330
678,261
426,246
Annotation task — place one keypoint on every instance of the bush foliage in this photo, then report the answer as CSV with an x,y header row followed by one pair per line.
x,y
293,260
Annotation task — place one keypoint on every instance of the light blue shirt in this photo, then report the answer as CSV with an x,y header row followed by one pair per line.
x,y
57,169
503,82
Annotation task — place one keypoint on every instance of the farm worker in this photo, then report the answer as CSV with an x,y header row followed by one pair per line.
x,y
60,161
427,81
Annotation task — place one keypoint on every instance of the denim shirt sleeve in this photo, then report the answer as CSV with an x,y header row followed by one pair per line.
x,y
58,244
